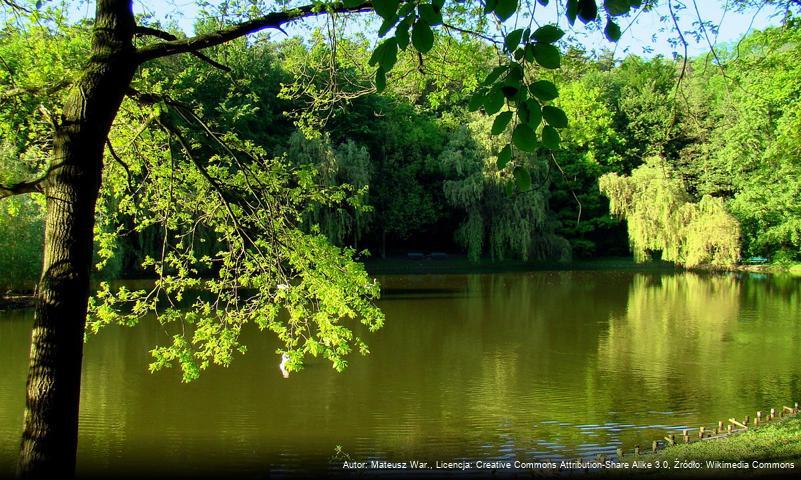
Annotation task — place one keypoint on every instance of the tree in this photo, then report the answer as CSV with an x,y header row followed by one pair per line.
x,y
662,219
78,144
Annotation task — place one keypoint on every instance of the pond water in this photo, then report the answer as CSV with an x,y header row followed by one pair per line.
x,y
536,365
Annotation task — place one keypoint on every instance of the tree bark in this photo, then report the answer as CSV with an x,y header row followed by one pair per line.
x,y
50,436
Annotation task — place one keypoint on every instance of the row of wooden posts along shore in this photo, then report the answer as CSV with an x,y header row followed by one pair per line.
x,y
702,433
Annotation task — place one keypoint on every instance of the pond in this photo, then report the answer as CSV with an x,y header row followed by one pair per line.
x,y
521,366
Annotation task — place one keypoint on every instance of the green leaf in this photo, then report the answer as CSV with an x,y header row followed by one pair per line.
x,y
521,96
386,8
547,55
544,90
612,31
524,138
513,39
387,25
571,10
380,80
616,7
548,34
385,54
489,6
505,9
493,101
501,122
534,113
402,33
495,73
352,3
550,138
504,156
430,14
422,36
587,10
476,101
554,116
510,89
523,178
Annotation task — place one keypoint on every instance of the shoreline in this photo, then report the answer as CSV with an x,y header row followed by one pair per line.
x,y
460,265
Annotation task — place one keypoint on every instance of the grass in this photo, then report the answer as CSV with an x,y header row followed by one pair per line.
x,y
775,442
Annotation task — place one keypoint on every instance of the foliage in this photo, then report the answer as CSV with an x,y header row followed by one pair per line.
x,y
661,218
504,225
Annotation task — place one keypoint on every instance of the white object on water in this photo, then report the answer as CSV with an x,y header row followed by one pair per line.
x,y
282,365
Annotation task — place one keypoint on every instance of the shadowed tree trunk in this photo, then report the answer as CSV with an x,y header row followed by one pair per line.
x,y
50,436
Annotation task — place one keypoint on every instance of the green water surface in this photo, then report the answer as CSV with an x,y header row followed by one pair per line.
x,y
532,365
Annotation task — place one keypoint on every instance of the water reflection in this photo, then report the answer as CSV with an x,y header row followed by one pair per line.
x,y
523,366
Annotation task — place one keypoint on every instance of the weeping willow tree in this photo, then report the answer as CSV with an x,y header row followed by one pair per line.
x,y
497,219
661,217
348,167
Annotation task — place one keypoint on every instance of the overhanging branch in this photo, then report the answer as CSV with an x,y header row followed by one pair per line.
x,y
271,20
33,186
154,32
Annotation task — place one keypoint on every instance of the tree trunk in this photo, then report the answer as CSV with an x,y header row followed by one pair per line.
x,y
50,436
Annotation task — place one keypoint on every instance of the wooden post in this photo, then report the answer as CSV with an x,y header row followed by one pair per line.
x,y
701,432
671,439
729,428
795,408
686,436
720,427
636,450
772,414
758,418
654,446
619,453
746,421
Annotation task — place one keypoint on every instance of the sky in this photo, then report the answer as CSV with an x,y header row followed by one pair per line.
x,y
648,34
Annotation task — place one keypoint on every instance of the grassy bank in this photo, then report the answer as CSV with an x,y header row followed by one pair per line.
x,y
777,442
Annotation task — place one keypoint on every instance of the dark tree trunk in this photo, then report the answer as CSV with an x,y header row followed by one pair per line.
x,y
50,437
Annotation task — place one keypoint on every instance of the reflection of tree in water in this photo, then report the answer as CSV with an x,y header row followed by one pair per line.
x,y
706,346
529,335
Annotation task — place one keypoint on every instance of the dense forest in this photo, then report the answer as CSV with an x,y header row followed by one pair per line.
x,y
697,157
